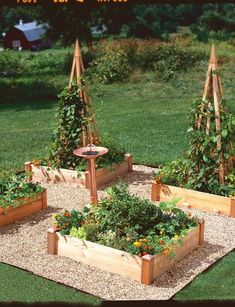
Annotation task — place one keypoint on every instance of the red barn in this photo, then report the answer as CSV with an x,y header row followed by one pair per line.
x,y
24,35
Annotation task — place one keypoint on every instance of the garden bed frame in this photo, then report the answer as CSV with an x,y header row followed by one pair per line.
x,y
72,177
194,199
143,269
28,207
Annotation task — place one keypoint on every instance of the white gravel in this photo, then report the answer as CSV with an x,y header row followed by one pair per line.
x,y
23,244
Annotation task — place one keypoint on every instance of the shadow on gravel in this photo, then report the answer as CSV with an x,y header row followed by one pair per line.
x,y
31,220
188,267
134,178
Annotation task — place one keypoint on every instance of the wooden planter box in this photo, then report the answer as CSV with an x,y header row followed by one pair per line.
x,y
194,199
103,175
145,269
28,207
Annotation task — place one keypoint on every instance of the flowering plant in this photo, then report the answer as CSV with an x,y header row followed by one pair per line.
x,y
128,223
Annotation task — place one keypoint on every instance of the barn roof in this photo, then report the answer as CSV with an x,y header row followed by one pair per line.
x,y
31,30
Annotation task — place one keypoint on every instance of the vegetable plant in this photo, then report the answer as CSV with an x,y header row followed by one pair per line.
x,y
72,118
128,223
14,187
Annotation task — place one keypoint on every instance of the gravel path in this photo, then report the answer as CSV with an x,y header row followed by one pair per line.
x,y
23,244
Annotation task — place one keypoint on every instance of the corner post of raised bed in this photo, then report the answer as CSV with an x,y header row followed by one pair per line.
x,y
147,269
232,206
52,242
201,223
44,199
28,169
156,190
129,159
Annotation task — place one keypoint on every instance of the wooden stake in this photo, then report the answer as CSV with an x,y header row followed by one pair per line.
x,y
89,132
213,90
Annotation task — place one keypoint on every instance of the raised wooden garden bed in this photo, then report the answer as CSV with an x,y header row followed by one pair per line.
x,y
71,177
26,208
145,269
194,199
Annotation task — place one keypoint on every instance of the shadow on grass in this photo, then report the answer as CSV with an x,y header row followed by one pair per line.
x,y
31,220
28,105
189,266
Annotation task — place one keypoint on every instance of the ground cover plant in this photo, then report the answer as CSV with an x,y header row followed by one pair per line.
x,y
129,223
14,188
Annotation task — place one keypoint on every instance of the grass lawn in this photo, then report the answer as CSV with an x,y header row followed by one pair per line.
x,y
17,285
217,283
146,116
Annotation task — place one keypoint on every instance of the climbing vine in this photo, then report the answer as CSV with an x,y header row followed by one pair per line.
x,y
200,169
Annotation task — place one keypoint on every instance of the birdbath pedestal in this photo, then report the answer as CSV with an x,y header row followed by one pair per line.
x,y
91,152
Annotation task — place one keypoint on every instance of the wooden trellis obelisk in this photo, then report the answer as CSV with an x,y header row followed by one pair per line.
x,y
89,133
213,92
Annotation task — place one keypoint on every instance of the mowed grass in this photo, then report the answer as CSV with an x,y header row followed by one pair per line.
x,y
35,289
147,116
217,283
26,129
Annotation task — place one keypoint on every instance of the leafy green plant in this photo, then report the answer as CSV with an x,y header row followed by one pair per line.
x,y
110,67
71,120
15,187
200,170
129,223
66,136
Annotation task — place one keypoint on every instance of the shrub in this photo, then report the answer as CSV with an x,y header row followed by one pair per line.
x,y
172,59
129,223
110,67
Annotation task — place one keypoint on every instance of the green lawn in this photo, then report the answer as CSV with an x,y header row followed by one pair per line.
x,y
145,115
17,285
217,283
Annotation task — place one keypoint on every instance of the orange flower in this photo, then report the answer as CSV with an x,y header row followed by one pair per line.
x,y
67,214
162,242
166,252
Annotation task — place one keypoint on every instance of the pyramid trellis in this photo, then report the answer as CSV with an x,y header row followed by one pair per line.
x,y
89,133
213,92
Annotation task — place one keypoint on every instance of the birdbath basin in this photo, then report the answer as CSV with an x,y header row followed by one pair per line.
x,y
91,152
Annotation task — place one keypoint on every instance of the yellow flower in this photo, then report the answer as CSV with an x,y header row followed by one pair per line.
x,y
137,244
128,239
176,237
55,216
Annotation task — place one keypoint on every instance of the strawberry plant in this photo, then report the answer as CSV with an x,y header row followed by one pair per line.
x,y
128,223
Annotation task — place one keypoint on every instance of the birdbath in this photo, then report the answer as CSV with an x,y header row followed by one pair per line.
x,y
91,152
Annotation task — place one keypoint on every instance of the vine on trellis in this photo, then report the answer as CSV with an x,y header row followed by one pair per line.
x,y
209,166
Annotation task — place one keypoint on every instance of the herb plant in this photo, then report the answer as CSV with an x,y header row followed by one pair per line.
x,y
128,223
15,187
